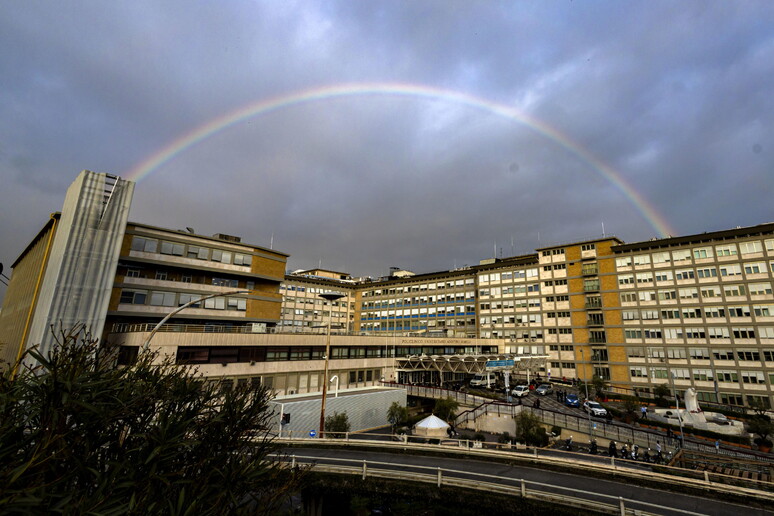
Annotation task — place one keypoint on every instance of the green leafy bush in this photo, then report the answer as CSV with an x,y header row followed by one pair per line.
x,y
78,435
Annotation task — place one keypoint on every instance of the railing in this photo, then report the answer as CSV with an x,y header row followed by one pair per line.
x,y
547,493
583,462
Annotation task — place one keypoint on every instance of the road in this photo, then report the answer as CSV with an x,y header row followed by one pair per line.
x,y
578,484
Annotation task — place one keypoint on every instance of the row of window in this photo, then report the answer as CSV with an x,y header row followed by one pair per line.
x,y
419,287
711,293
152,245
697,253
699,353
420,300
710,312
701,375
162,298
739,333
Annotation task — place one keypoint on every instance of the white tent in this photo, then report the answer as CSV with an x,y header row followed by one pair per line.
x,y
431,426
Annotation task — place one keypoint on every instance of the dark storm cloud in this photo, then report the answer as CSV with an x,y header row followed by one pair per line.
x,y
676,98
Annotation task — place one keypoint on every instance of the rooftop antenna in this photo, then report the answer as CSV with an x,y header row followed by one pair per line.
x,y
603,229
513,252
495,249
271,242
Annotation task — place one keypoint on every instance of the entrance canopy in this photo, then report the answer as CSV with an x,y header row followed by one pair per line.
x,y
469,364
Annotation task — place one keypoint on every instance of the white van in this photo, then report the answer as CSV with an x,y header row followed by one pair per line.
x,y
483,380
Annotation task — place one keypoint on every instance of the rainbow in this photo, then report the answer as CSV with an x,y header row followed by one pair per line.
x,y
262,107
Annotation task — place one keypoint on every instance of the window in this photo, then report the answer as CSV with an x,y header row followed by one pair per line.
x,y
714,312
644,277
676,353
699,353
730,270
734,291
187,298
688,293
664,276
684,274
629,297
588,247
683,254
161,275
759,289
667,294
642,259
163,299
661,257
625,279
633,334
708,272
638,372
755,268
708,292
625,261
146,245
751,247
743,333
753,377
636,352
723,354
242,259
725,250
750,355
134,297
172,248
132,273
186,278
702,252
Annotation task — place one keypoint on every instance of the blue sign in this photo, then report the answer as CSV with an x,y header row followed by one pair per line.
x,y
312,433
499,363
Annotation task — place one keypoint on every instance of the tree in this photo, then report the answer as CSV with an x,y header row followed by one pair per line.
x,y
337,425
446,409
762,426
631,410
600,386
397,414
529,429
661,391
78,435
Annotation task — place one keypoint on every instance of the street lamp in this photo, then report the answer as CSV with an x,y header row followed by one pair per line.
x,y
586,384
330,296
677,408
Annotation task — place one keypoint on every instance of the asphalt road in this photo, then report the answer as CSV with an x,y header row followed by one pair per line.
x,y
561,482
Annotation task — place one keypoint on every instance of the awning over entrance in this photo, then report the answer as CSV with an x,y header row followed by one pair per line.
x,y
468,364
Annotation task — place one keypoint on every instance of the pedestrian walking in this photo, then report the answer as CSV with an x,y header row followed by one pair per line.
x,y
644,412
717,445
658,447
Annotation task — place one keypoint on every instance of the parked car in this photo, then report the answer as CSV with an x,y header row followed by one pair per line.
x,y
520,391
594,408
484,380
543,389
572,400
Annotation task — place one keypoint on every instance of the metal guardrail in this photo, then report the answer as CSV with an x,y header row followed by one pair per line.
x,y
633,470
527,489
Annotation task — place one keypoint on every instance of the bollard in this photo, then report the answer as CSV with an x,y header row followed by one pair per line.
x,y
612,461
534,452
365,467
346,436
523,488
621,502
439,477
706,477
293,462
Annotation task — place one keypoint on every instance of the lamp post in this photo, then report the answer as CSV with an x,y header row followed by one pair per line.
x,y
586,384
182,307
330,296
677,408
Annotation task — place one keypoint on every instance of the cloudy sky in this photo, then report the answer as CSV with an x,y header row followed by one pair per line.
x,y
457,131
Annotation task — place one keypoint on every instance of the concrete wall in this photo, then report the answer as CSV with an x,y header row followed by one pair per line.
x,y
365,409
